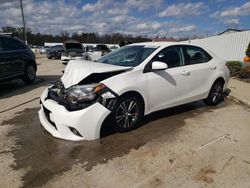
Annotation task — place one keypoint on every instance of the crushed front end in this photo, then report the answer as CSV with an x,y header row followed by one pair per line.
x,y
77,112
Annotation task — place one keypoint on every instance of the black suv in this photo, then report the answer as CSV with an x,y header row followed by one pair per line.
x,y
16,60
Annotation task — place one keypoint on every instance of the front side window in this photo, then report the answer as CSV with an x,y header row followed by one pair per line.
x,y
196,55
171,56
12,44
128,56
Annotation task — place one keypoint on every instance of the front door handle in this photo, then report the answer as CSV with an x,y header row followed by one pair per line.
x,y
213,67
185,73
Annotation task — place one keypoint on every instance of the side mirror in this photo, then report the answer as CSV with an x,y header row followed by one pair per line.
x,y
158,65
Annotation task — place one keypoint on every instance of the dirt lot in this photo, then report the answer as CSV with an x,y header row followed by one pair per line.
x,y
188,146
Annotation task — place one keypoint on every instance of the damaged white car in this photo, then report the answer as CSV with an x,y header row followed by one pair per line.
x,y
127,84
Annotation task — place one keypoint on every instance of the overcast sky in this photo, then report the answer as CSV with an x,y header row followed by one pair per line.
x,y
169,18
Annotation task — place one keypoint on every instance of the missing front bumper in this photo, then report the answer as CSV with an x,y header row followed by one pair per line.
x,y
59,121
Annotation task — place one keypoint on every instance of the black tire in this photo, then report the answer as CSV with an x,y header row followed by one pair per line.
x,y
215,95
30,74
127,113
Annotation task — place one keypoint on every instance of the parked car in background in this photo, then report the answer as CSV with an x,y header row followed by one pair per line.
x,y
55,52
89,48
112,48
97,52
17,60
72,50
127,84
44,49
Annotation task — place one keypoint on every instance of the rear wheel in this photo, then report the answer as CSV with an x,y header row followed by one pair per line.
x,y
30,74
127,113
216,94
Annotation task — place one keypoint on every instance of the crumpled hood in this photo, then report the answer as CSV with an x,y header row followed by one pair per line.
x,y
77,70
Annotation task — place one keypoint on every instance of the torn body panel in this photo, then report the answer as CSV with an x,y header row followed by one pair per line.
x,y
98,77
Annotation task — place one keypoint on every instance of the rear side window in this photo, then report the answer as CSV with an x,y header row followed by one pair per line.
x,y
1,46
12,44
171,56
196,55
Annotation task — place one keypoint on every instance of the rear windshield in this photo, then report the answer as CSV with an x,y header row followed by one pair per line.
x,y
73,46
57,47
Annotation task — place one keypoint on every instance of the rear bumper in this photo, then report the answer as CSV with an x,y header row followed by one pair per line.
x,y
60,122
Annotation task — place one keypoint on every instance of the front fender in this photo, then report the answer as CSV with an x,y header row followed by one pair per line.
x,y
127,82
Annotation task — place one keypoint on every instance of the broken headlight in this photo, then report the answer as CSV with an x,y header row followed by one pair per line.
x,y
85,93
82,93
81,96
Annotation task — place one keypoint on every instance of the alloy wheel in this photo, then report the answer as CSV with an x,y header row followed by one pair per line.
x,y
217,93
127,114
31,72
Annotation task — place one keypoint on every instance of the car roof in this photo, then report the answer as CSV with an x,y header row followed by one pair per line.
x,y
163,44
166,44
5,36
71,41
10,37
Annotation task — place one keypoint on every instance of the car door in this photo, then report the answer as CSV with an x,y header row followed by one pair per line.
x,y
168,87
200,66
15,53
4,63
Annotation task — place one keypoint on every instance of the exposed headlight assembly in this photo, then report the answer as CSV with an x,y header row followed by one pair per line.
x,y
81,96
84,93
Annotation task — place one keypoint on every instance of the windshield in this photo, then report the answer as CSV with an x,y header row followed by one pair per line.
x,y
128,56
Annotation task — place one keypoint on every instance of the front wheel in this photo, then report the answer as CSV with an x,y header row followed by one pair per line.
x,y
30,74
127,113
216,94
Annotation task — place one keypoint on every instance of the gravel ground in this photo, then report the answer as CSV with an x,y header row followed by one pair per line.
x,y
192,145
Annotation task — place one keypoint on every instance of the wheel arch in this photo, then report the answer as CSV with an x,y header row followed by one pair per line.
x,y
32,62
207,100
138,95
105,128
220,79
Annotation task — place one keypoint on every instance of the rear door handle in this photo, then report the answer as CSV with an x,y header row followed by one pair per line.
x,y
185,73
213,67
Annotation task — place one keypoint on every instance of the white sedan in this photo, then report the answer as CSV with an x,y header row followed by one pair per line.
x,y
127,84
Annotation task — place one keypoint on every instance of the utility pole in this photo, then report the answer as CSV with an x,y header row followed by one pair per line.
x,y
24,26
